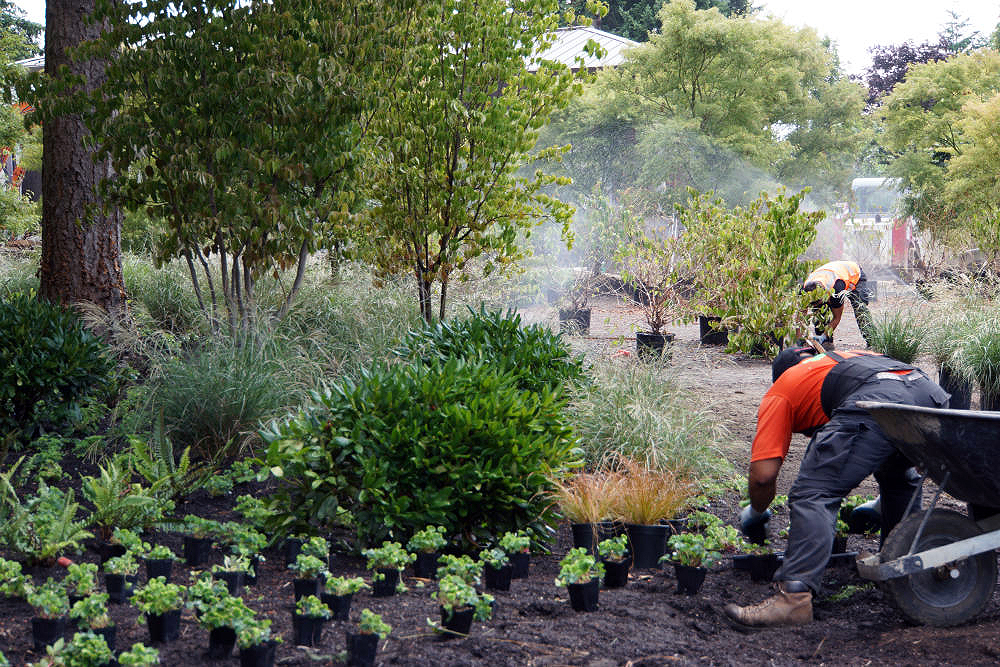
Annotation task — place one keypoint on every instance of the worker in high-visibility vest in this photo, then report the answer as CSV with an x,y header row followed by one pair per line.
x,y
844,279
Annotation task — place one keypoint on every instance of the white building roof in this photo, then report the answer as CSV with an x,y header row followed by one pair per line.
x,y
32,64
569,43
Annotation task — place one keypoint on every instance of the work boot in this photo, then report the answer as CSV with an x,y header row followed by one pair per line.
x,y
792,605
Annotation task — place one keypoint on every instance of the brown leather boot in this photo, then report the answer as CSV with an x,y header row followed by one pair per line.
x,y
792,605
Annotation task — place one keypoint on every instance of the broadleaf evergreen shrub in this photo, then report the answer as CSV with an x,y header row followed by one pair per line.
x,y
48,363
534,356
446,443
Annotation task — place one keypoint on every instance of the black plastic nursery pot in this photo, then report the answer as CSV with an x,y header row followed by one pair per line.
x,y
458,621
762,566
197,550
386,585
520,563
616,572
261,655
361,647
650,345
164,627
573,321
689,578
498,578
304,587
583,597
106,551
118,586
839,544
47,631
647,543
159,567
340,606
220,643
425,567
234,580
710,335
959,388
291,548
110,634
307,630
585,536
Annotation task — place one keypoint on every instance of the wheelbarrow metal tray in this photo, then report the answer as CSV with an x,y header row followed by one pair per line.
x,y
964,443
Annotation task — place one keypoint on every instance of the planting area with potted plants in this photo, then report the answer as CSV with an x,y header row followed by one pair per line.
x,y
645,621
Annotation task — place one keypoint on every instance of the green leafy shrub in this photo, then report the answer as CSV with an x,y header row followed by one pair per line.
x,y
454,593
578,567
139,656
44,525
372,624
471,571
534,356
406,446
345,585
226,612
49,600
158,597
91,612
118,502
48,364
428,540
86,650
80,579
692,549
312,607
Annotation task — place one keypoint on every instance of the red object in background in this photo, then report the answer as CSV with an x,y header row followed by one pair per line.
x,y
900,241
62,561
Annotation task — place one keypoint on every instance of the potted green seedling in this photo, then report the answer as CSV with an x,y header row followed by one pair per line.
x,y
308,619
387,563
581,574
616,559
309,569
119,576
257,645
13,583
692,559
460,603
471,571
702,521
85,649
362,645
91,613
159,561
250,544
340,592
762,562
139,656
204,592
160,603
80,581
51,605
497,569
198,540
221,618
232,570
427,545
291,547
841,530
518,548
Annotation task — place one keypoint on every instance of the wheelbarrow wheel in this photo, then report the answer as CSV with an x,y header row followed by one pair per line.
x,y
941,596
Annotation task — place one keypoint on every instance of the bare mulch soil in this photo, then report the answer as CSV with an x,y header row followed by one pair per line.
x,y
647,623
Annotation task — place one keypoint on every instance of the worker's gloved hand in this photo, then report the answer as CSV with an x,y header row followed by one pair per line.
x,y
867,517
753,524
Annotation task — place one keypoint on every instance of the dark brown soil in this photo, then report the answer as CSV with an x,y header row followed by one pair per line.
x,y
645,624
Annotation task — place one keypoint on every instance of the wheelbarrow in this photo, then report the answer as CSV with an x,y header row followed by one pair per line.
x,y
939,565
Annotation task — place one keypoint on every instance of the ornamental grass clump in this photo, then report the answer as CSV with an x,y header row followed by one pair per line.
x,y
587,497
647,495
978,359
898,334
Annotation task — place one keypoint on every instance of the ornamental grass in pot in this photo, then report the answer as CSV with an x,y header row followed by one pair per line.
x,y
387,563
427,545
363,644
587,500
91,613
160,604
898,334
460,604
978,360
646,498
692,559
617,560
580,573
51,606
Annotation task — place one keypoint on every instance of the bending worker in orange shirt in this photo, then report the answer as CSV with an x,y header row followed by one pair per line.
x,y
815,395
846,280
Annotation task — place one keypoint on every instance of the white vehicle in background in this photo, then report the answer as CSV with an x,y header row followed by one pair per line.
x,y
875,234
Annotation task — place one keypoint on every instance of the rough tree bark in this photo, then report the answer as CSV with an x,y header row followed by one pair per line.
x,y
81,243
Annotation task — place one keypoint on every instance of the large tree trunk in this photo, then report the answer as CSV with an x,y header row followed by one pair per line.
x,y
81,243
